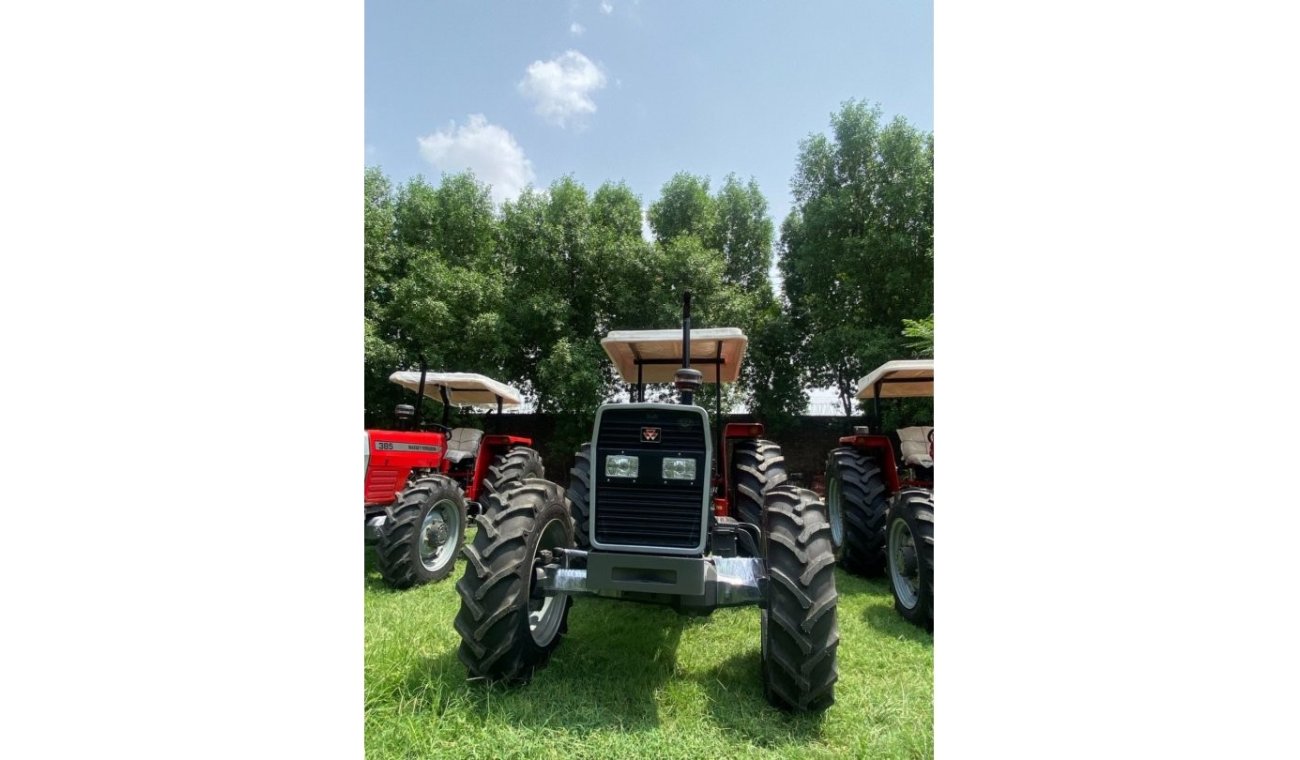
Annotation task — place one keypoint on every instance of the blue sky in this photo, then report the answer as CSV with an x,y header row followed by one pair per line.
x,y
633,91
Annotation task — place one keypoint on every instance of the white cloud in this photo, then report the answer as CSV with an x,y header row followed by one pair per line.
x,y
576,29
488,150
606,7
562,87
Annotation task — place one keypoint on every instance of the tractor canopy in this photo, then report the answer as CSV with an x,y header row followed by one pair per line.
x,y
462,388
902,378
654,356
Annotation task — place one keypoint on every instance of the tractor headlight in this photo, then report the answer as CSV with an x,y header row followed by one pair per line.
x,y
679,469
621,466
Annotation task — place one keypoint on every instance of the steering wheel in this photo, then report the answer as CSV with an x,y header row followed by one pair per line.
x,y
436,427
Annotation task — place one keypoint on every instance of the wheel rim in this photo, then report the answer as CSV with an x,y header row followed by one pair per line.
x,y
904,569
546,612
439,534
834,509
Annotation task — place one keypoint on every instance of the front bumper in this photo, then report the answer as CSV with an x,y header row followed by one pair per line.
x,y
375,524
690,583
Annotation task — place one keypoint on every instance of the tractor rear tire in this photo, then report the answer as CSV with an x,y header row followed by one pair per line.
x,y
507,632
857,482
423,534
911,556
757,466
511,468
579,494
800,632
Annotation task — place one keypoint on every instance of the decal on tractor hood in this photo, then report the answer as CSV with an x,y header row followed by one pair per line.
x,y
395,446
650,434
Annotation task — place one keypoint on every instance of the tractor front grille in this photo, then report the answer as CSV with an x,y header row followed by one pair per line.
x,y
649,511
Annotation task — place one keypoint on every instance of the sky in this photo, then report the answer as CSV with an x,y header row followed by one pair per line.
x,y
617,90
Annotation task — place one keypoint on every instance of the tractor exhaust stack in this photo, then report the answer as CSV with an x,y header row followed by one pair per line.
x,y
687,380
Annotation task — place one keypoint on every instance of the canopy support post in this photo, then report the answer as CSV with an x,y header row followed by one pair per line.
x,y
419,402
875,405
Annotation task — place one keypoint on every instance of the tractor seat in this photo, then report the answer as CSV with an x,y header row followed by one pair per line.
x,y
463,444
914,445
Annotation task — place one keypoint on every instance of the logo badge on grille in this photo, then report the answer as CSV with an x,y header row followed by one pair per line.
x,y
650,434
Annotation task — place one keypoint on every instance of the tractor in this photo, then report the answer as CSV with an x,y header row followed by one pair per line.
x,y
880,492
423,482
664,507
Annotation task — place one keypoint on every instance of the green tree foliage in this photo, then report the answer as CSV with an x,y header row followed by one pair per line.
x,y
380,245
380,223
433,287
920,333
857,249
776,391
684,208
742,230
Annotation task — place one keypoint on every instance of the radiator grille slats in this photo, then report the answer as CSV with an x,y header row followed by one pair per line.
x,y
380,486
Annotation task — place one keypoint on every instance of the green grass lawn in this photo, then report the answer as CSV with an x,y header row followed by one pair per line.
x,y
640,681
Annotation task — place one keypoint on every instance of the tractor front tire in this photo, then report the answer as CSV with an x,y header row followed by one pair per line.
x,y
580,495
855,489
911,556
800,632
512,467
423,534
757,466
507,631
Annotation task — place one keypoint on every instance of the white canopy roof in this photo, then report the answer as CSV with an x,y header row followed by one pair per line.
x,y
903,378
463,388
664,349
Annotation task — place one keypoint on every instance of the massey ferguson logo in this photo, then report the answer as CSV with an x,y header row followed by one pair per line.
x,y
650,434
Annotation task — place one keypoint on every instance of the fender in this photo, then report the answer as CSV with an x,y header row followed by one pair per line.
x,y
489,447
732,431
882,449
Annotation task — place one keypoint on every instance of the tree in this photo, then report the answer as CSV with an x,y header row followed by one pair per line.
x,y
379,231
684,208
380,225
743,232
433,286
857,248
775,390
921,334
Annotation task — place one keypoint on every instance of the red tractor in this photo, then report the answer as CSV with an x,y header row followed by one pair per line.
x,y
880,493
425,481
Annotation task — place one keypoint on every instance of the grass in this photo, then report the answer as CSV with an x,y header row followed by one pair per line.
x,y
640,681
